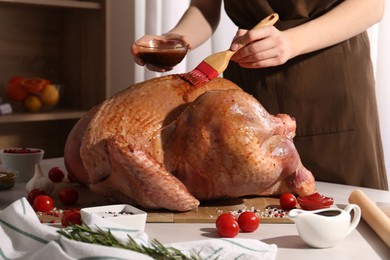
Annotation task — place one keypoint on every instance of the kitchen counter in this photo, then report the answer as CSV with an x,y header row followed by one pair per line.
x,y
362,243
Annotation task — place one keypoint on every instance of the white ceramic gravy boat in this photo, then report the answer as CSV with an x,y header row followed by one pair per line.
x,y
325,227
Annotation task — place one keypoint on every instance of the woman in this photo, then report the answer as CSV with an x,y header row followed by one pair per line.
x,y
313,64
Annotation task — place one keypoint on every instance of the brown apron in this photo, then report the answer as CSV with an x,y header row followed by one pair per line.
x,y
331,94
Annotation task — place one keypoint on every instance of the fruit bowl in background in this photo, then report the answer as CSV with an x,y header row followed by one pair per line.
x,y
33,94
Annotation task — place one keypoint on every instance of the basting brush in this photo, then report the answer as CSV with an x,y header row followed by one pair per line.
x,y
216,63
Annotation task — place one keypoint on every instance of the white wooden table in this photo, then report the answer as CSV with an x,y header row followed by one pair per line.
x,y
362,243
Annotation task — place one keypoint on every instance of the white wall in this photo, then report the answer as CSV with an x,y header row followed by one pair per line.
x,y
380,42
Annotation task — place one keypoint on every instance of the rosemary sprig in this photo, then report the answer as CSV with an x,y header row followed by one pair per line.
x,y
156,250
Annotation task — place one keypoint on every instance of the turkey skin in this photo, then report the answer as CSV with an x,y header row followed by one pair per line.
x,y
163,143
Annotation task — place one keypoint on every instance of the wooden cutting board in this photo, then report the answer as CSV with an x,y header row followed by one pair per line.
x,y
267,208
207,212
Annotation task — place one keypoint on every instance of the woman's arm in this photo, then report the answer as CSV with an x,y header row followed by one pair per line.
x,y
199,21
269,47
348,19
196,25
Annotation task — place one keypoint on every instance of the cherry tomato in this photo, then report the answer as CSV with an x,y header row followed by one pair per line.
x,y
55,174
248,221
43,203
228,228
287,201
33,194
223,217
68,196
314,201
71,217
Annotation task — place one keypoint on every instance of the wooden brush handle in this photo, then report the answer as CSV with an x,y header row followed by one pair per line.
x,y
217,62
269,20
372,214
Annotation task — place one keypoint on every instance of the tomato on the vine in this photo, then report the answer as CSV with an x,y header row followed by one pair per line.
x,y
248,221
33,194
287,201
15,80
56,174
15,90
43,203
71,217
34,85
68,196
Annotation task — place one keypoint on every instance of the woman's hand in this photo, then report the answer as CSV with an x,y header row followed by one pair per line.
x,y
266,47
263,47
137,58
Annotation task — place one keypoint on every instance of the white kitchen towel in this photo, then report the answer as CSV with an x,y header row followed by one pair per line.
x,y
24,237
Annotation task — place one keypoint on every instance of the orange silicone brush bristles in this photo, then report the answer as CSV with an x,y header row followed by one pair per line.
x,y
200,75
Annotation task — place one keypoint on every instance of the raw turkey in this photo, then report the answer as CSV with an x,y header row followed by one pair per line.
x,y
163,143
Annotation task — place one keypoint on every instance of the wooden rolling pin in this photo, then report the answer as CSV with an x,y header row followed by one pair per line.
x,y
372,214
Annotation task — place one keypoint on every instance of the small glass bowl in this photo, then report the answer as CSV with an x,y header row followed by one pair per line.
x,y
162,53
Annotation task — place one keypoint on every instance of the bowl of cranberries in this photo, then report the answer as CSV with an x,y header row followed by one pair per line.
x,y
21,161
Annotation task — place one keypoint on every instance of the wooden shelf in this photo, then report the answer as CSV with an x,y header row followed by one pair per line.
x,y
64,41
44,116
57,3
